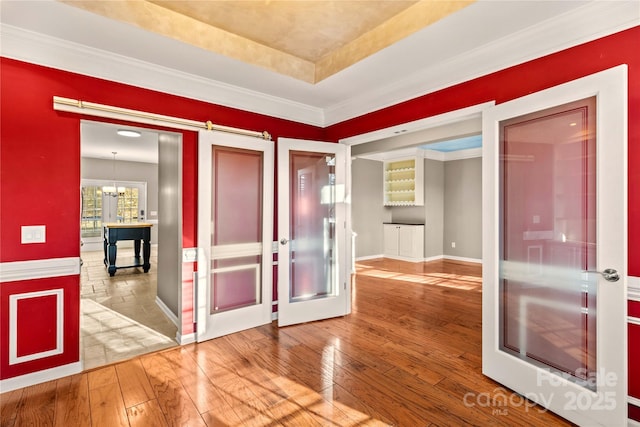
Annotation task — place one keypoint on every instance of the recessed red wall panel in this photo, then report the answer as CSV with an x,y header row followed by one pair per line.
x,y
634,412
36,324
634,360
41,311
633,309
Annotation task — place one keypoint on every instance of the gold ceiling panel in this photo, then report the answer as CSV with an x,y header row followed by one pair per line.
x,y
307,40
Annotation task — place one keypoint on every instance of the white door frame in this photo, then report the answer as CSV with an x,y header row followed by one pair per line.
x,y
226,322
321,308
558,394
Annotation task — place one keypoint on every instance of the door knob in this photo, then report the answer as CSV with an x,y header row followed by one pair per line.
x,y
609,274
283,241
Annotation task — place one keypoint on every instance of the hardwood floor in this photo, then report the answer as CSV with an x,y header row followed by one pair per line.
x,y
408,355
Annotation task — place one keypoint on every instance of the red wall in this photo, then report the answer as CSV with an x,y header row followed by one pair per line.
x,y
40,181
40,148
533,76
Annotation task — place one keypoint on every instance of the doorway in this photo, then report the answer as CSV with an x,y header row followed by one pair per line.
x,y
449,218
132,312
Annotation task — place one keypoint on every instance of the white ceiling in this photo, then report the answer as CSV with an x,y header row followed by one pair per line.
x,y
99,140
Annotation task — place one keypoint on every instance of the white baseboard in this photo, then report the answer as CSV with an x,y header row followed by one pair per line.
x,y
168,312
402,258
428,259
185,339
368,257
274,315
460,258
40,376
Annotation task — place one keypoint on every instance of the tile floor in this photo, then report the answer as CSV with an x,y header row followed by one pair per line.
x,y
120,318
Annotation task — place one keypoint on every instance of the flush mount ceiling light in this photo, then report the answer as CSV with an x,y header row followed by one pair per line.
x,y
129,133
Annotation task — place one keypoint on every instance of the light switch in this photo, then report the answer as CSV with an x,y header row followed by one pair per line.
x,y
33,234
189,254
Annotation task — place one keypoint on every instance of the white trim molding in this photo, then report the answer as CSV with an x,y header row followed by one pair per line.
x,y
185,339
633,288
38,377
13,326
635,402
368,257
463,259
167,312
41,49
39,269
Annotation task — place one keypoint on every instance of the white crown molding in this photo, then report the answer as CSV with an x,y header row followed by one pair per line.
x,y
473,112
52,52
470,153
427,154
434,155
37,269
590,22
593,20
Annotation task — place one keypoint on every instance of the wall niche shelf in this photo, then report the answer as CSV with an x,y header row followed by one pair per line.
x,y
403,182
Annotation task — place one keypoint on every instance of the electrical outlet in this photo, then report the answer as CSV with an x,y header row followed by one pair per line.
x,y
453,244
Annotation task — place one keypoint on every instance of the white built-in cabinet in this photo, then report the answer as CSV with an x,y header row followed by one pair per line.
x,y
403,182
404,241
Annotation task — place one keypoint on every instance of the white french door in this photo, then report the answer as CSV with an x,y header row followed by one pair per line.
x,y
313,231
555,247
235,230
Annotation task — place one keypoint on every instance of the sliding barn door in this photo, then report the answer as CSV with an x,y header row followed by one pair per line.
x,y
235,229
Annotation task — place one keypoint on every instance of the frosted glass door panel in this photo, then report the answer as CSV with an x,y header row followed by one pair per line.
x,y
548,239
312,231
236,232
312,226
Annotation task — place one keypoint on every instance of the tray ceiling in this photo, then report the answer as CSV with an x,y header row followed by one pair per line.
x,y
306,40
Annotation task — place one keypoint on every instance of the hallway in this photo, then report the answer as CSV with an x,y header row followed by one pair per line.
x,y
120,318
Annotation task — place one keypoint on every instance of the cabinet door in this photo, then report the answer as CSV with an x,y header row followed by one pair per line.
x,y
406,241
390,239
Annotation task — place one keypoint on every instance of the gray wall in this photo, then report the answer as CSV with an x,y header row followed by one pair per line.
x,y
452,210
367,211
463,208
170,221
433,207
